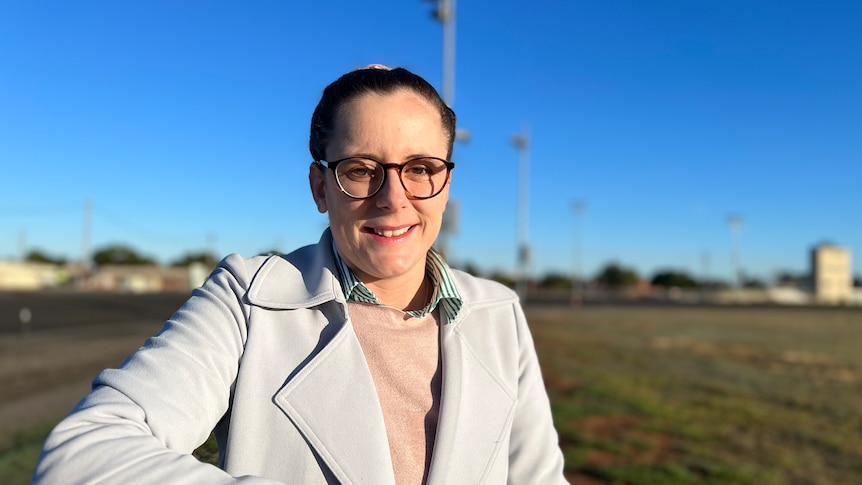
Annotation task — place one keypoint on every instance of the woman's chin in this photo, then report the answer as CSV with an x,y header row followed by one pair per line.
x,y
391,269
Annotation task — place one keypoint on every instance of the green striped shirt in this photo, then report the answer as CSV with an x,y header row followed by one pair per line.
x,y
445,294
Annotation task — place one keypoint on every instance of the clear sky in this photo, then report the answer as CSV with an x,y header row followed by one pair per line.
x,y
186,125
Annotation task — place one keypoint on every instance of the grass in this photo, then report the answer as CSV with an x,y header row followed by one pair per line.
x,y
19,454
679,395
704,395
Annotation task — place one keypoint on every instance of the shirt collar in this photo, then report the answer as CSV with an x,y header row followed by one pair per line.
x,y
445,294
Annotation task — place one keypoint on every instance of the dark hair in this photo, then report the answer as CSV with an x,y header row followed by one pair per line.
x,y
371,80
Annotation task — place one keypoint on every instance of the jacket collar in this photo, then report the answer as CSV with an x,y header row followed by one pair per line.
x,y
333,402
304,278
323,397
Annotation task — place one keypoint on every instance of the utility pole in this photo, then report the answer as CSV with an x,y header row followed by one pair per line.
x,y
704,275
212,243
86,258
521,142
577,297
445,14
22,244
734,222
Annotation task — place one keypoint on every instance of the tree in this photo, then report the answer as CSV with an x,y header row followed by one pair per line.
x,y
121,254
207,258
556,281
615,276
673,279
502,278
753,283
471,268
787,278
39,256
714,284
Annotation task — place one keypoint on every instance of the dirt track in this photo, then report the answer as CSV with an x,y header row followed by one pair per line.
x,y
47,365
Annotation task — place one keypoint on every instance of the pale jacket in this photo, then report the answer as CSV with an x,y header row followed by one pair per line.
x,y
265,354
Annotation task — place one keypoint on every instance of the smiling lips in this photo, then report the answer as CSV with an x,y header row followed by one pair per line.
x,y
391,232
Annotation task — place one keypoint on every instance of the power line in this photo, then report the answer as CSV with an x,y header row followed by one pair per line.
x,y
41,210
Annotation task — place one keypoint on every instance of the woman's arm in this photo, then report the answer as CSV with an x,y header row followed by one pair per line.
x,y
534,448
142,421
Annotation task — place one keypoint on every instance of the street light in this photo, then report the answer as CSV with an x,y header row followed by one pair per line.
x,y
521,142
445,13
734,222
578,207
86,236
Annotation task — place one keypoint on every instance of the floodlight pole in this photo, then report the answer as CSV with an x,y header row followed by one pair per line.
x,y
734,222
521,142
86,257
22,244
445,14
577,297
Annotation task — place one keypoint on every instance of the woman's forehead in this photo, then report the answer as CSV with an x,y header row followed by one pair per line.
x,y
374,121
404,98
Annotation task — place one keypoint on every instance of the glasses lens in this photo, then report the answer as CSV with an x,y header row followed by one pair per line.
x,y
362,177
359,177
424,177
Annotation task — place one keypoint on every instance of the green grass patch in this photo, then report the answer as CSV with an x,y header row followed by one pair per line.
x,y
20,452
645,395
664,395
208,452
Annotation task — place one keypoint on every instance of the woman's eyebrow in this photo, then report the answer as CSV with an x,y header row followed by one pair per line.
x,y
376,158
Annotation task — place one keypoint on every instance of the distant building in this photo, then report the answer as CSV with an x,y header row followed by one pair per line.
x,y
17,275
832,274
138,279
29,276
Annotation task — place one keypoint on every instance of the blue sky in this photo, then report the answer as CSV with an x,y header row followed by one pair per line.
x,y
186,125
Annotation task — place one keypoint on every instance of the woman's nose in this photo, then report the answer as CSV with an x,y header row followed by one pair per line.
x,y
392,193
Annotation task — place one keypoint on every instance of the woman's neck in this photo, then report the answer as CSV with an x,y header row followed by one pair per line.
x,y
407,293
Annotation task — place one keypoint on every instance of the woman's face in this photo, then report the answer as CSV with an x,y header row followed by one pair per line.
x,y
387,236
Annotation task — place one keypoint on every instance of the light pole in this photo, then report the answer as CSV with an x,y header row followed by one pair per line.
x,y
704,275
578,207
734,222
445,13
86,235
521,141
22,244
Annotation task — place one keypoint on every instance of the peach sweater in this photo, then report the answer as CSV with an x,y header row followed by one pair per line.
x,y
403,355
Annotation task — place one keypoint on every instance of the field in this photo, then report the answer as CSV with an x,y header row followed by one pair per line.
x,y
680,395
640,394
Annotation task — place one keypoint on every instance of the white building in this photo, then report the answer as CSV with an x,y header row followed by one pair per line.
x,y
832,274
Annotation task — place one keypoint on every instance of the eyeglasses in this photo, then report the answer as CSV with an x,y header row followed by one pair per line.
x,y
361,178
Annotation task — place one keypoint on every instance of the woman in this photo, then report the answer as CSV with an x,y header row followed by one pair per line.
x,y
361,359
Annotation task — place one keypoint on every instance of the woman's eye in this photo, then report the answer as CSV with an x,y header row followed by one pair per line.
x,y
359,172
418,170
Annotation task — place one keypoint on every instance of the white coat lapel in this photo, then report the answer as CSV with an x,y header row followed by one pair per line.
x,y
331,399
333,402
475,412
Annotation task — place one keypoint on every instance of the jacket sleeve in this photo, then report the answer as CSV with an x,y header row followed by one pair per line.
x,y
534,449
142,421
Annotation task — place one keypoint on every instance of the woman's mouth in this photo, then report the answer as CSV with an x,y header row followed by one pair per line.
x,y
390,232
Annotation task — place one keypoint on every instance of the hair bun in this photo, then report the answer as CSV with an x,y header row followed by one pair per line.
x,y
376,66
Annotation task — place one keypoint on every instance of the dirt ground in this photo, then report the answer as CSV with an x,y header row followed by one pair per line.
x,y
46,367
44,374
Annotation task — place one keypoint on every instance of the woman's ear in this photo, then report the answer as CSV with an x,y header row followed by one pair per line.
x,y
317,182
